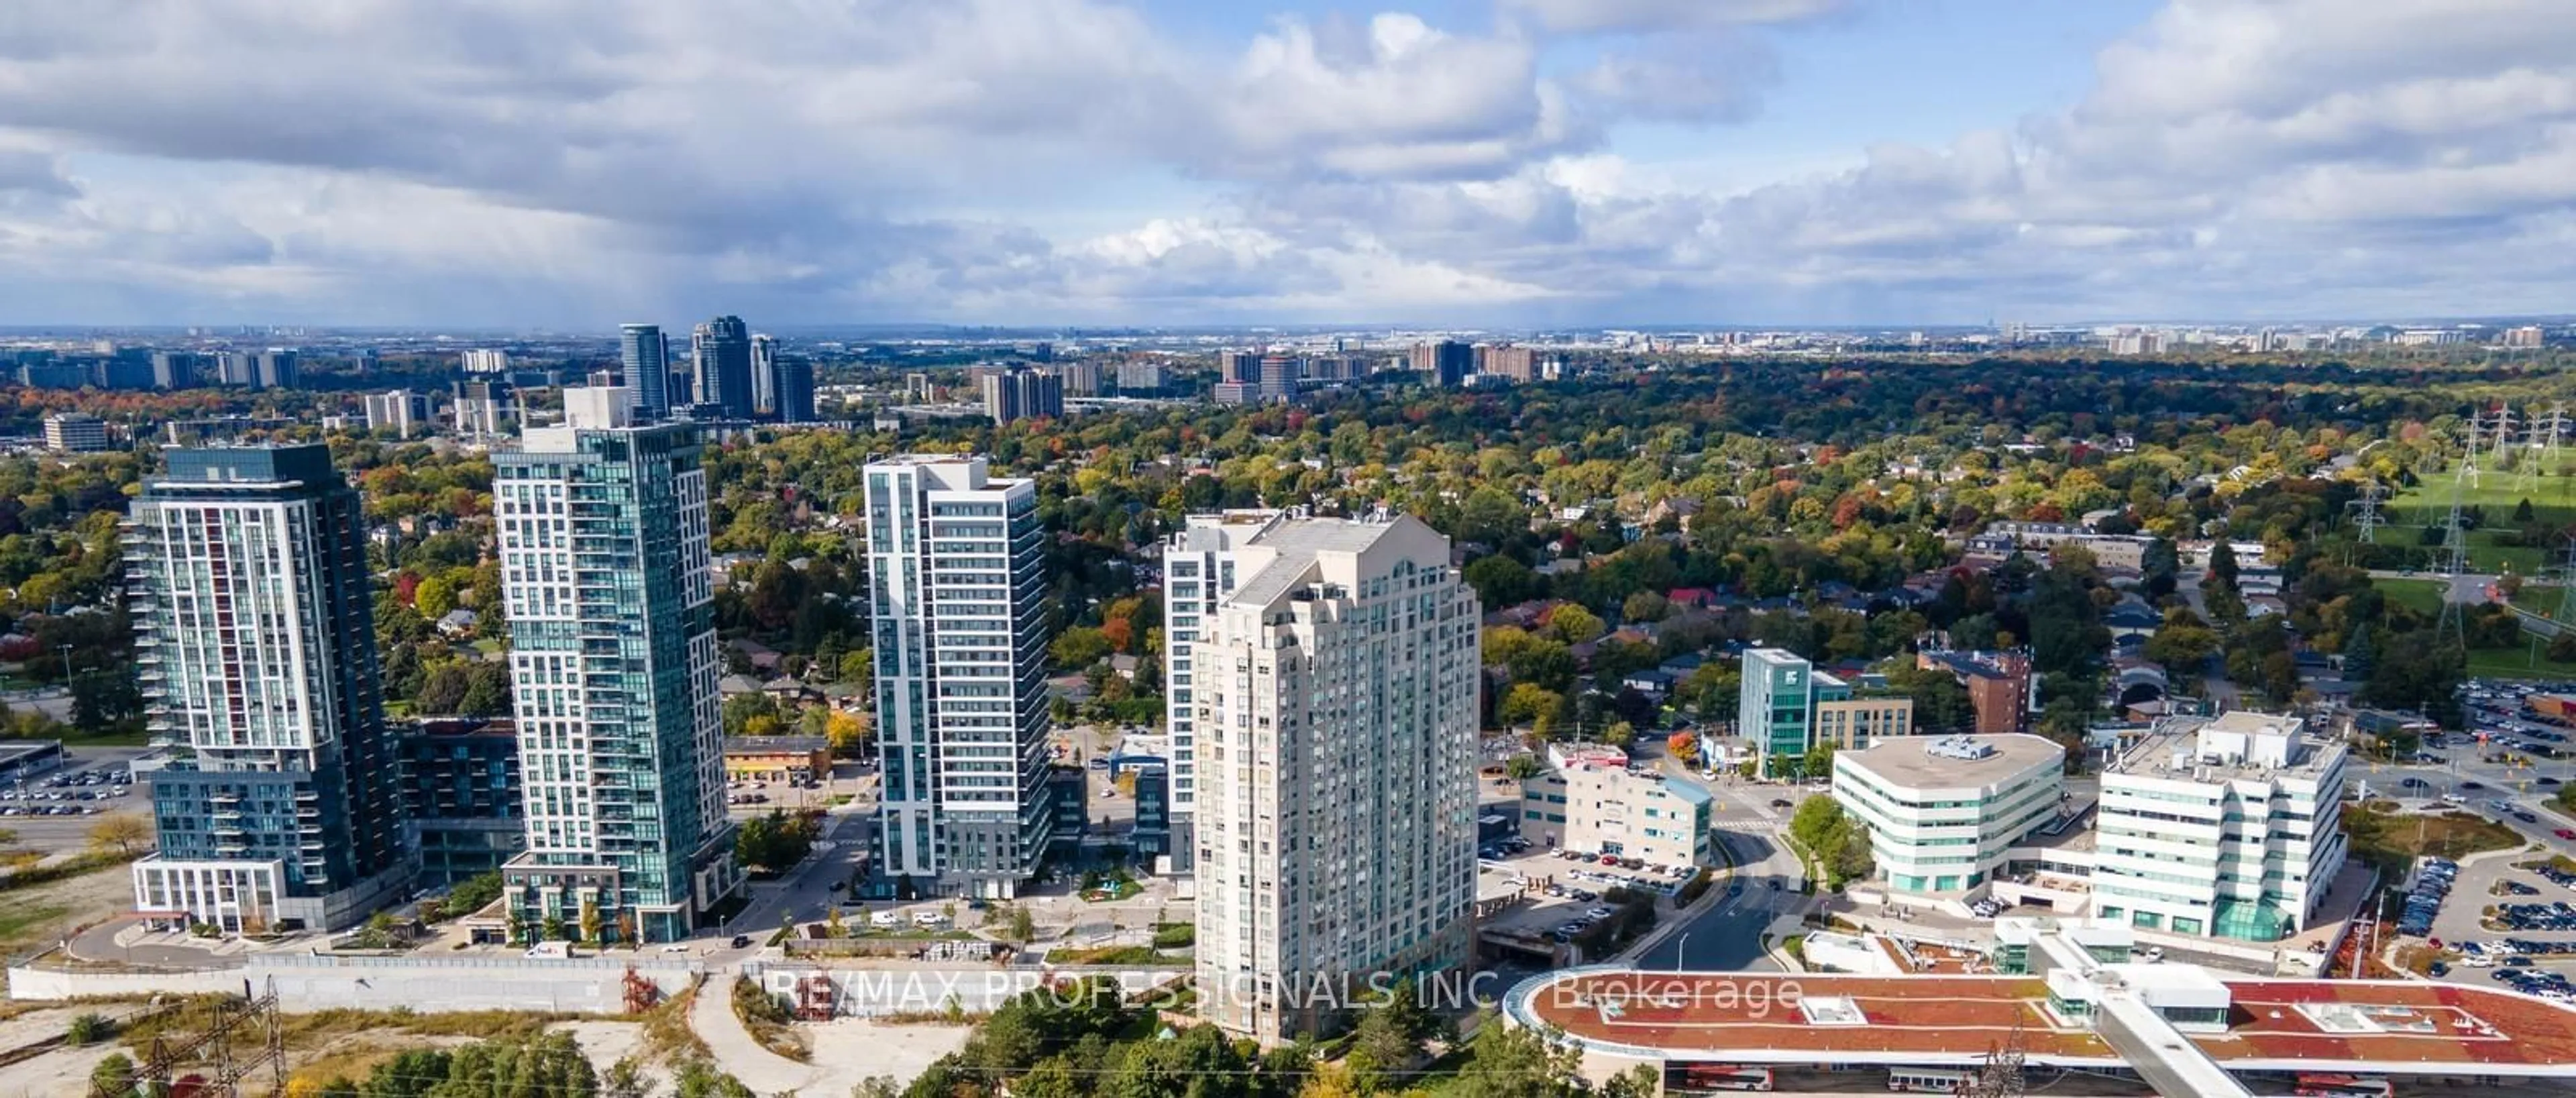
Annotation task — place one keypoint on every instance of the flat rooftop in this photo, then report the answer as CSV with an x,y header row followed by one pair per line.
x,y
2365,1026
2234,745
1919,762
1299,542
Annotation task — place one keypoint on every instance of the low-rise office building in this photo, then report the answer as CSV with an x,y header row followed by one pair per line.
x,y
777,758
1592,800
2228,827
1943,814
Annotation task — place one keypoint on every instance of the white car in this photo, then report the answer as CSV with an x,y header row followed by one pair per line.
x,y
928,918
885,918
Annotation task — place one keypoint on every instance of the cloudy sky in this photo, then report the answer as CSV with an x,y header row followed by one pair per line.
x,y
1519,163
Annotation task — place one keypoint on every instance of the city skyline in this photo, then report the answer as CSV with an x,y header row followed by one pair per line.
x,y
1524,163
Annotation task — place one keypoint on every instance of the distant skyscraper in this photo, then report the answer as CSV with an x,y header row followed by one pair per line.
x,y
400,411
721,351
483,408
75,433
485,360
1140,377
620,752
1444,364
795,389
1517,364
278,368
237,368
1335,687
1240,367
1020,393
176,369
1080,378
256,651
1280,379
764,376
647,364
957,578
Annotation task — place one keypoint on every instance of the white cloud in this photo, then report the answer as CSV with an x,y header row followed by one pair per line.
x,y
1588,16
572,161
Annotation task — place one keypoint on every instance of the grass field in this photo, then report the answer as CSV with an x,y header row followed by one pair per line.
x,y
2553,500
2518,663
2422,596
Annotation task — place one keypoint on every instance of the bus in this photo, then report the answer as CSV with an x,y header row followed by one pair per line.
x,y
1927,1081
2342,1086
1725,1077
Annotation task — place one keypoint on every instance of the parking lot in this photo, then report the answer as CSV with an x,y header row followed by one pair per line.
x,y
1568,893
53,813
2512,920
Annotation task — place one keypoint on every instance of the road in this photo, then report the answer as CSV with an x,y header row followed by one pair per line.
x,y
806,892
2467,588
1728,937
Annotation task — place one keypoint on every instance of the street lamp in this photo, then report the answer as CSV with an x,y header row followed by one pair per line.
x,y
66,650
1680,950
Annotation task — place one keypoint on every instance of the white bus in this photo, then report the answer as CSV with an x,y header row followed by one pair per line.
x,y
1926,1081
1699,1077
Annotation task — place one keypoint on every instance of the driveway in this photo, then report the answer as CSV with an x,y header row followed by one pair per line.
x,y
1727,937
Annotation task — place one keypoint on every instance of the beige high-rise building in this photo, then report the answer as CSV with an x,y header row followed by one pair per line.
x,y
1335,694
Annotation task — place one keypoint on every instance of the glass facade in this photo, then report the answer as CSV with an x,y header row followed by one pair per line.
x,y
613,664
957,584
256,654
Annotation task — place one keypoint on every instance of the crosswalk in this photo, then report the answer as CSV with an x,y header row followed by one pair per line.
x,y
1748,827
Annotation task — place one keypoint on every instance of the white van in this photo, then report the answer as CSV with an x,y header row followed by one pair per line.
x,y
885,918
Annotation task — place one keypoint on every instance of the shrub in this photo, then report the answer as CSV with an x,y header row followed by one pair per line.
x,y
91,1028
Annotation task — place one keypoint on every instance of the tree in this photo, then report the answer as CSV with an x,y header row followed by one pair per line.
x,y
1820,759
1526,702
592,922
1024,926
1575,625
1513,1062
1502,581
2222,564
1078,648
1974,633
2182,646
1523,767
1491,516
1620,734
848,734
1645,606
123,830
434,598
1682,745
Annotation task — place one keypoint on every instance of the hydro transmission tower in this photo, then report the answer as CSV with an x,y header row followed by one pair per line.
x,y
2365,520
2500,442
2566,616
2476,433
2450,630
